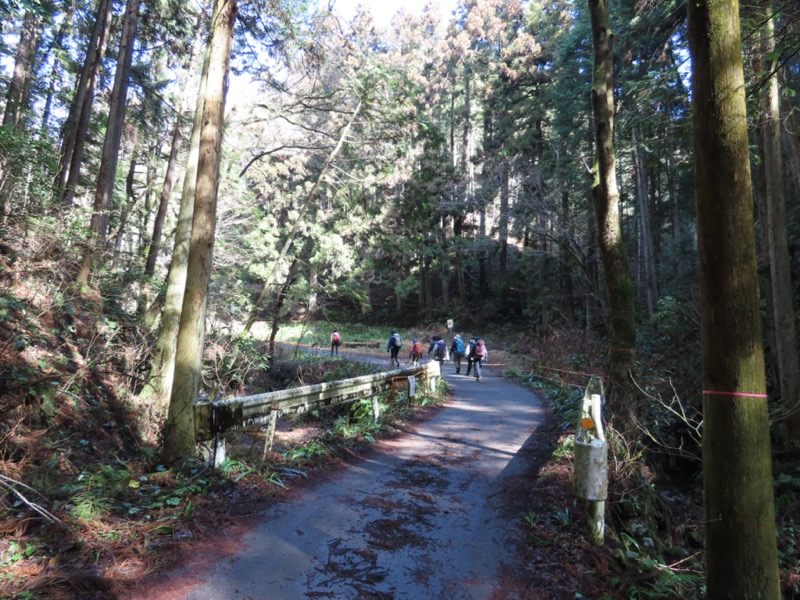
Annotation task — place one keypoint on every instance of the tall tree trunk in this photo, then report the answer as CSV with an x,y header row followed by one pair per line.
x,y
566,234
645,227
18,92
108,164
313,284
671,192
179,434
77,126
762,245
127,207
162,369
55,72
175,146
466,173
18,95
502,221
280,299
779,261
741,550
605,196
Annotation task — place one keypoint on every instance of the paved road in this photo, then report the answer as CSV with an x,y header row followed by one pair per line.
x,y
420,518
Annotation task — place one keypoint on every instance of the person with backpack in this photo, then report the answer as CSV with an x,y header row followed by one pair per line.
x,y
468,353
336,341
457,350
416,352
479,354
393,346
439,351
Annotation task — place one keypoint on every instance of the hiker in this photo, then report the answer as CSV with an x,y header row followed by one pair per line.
x,y
479,354
468,353
416,352
439,350
457,350
336,341
393,346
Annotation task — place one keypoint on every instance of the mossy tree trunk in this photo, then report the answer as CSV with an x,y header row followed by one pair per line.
x,y
179,432
605,197
741,552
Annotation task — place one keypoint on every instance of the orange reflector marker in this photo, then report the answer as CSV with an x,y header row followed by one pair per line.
x,y
587,423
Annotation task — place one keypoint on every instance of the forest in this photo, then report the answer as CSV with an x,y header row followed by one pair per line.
x,y
597,188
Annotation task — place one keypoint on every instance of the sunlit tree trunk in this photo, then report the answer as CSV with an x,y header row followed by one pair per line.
x,y
77,126
313,284
162,368
18,91
175,146
741,550
108,163
179,434
605,196
55,72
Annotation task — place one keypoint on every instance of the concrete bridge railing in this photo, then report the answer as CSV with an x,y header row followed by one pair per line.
x,y
213,420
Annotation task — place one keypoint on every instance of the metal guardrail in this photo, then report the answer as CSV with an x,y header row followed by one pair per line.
x,y
215,419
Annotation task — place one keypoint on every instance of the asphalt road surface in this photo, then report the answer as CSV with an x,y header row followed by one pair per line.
x,y
420,518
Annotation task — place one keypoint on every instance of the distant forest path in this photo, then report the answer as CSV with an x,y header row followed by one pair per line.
x,y
426,514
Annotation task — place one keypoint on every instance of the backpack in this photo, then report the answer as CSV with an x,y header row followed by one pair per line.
x,y
417,349
396,341
460,346
480,349
336,337
438,350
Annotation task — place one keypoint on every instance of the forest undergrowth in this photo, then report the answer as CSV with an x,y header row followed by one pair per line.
x,y
88,510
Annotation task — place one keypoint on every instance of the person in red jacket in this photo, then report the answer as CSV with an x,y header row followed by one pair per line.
x,y
416,352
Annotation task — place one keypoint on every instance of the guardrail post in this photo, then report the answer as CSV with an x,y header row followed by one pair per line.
x,y
270,435
412,389
591,463
376,407
220,450
434,372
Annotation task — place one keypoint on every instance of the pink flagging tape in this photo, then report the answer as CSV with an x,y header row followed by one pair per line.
x,y
744,394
